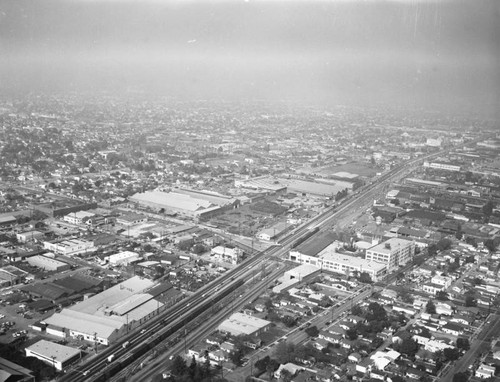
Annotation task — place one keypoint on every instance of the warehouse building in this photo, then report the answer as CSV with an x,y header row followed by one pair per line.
x,y
48,263
11,275
243,324
57,355
14,372
275,231
316,189
24,237
78,217
107,316
192,205
225,254
70,247
123,258
262,183
58,208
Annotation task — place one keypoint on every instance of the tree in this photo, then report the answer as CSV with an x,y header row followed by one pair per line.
x,y
192,367
463,343
425,378
179,366
430,307
377,342
262,363
470,259
236,357
488,208
270,370
284,352
351,334
268,304
47,373
490,245
471,240
325,302
454,265
461,377
376,312
442,295
432,249
405,296
289,321
364,277
312,331
470,301
357,310
444,244
285,375
451,354
409,347
198,248
397,378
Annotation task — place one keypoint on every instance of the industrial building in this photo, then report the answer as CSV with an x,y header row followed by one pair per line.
x,y
24,237
195,205
262,183
275,231
394,253
47,263
243,324
123,258
107,316
131,219
11,371
58,208
11,275
78,217
229,255
316,189
296,275
443,166
328,259
70,247
349,265
57,355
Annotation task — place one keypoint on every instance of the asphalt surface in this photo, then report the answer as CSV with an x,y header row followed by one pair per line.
x,y
298,336
478,345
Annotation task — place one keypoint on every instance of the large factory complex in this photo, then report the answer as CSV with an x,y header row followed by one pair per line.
x,y
110,314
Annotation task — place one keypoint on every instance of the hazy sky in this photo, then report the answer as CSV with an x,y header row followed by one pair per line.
x,y
433,54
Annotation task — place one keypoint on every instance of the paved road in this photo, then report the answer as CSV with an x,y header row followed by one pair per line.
x,y
478,345
297,336
161,364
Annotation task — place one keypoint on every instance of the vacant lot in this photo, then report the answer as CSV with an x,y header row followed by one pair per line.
x,y
244,221
355,168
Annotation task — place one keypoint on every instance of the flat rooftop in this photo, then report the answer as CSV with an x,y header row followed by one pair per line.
x,y
49,349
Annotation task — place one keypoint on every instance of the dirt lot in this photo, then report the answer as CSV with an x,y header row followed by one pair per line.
x,y
355,168
244,221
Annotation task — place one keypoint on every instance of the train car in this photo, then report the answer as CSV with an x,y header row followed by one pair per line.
x,y
306,236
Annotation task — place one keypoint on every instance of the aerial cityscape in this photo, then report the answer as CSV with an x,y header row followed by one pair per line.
x,y
249,191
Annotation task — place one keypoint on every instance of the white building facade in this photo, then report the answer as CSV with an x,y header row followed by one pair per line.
x,y
394,253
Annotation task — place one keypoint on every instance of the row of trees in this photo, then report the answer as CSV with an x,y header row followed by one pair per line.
x,y
194,372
